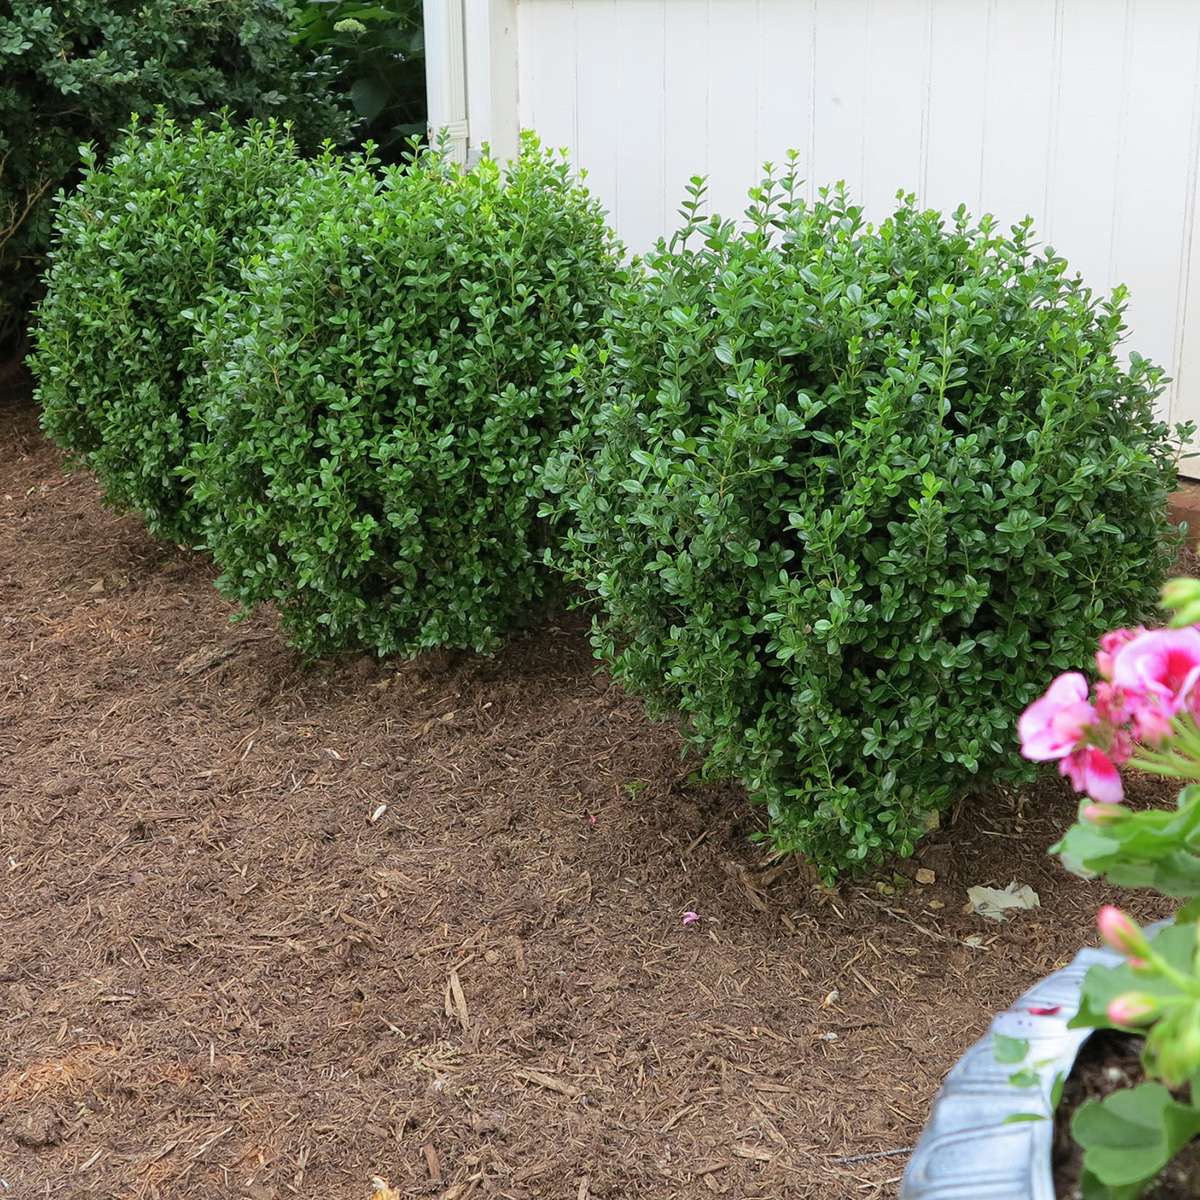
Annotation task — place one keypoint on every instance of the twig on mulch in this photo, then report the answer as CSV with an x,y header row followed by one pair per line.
x,y
549,1082
873,1156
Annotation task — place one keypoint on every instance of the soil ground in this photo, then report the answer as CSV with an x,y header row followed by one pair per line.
x,y
270,931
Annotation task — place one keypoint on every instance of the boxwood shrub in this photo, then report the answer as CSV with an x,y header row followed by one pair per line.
x,y
140,244
850,493
384,391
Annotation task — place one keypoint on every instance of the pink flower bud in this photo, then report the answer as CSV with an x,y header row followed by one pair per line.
x,y
1111,704
1133,1008
1121,933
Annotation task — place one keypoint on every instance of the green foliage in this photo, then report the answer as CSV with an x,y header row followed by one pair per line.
x,y
378,50
384,394
1182,597
850,493
72,72
1149,848
1009,1050
1166,989
1176,944
141,243
1129,1137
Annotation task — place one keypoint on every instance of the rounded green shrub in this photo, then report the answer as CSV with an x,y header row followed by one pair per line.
x,y
851,492
140,244
72,72
385,389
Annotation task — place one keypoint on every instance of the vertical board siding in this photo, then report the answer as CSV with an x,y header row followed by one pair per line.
x,y
687,151
894,93
1083,113
1151,203
1082,158
956,103
638,112
734,78
595,148
1021,104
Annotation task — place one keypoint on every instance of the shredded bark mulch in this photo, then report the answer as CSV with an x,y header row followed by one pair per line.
x,y
272,931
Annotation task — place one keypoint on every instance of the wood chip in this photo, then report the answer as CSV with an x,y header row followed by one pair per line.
x,y
676,1117
202,659
432,1162
548,1081
756,897
91,1162
456,1001
753,1152
396,879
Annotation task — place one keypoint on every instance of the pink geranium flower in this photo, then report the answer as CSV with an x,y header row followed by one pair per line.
x,y
1092,771
1112,705
1110,643
1163,665
1151,722
1053,726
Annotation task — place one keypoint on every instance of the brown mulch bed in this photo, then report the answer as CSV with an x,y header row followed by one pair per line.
x,y
270,931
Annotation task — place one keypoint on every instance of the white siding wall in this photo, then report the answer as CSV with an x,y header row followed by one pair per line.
x,y
1084,113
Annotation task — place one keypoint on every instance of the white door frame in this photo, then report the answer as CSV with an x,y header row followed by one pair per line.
x,y
471,75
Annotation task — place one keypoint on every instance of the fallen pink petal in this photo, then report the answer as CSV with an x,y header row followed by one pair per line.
x,y
1105,814
690,918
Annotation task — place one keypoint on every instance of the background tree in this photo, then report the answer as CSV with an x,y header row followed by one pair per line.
x,y
73,71
379,53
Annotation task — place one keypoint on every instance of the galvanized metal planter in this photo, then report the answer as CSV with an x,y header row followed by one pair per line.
x,y
967,1150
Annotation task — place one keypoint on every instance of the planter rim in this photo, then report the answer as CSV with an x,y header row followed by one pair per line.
x,y
971,1148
